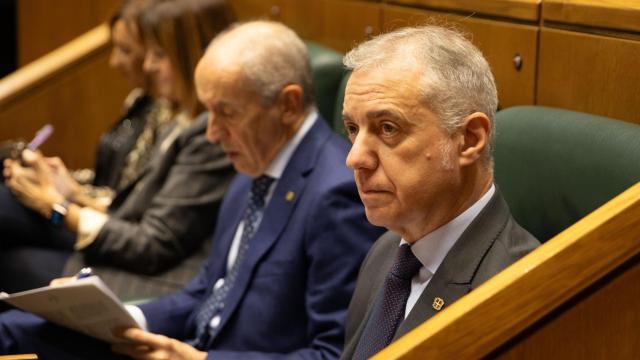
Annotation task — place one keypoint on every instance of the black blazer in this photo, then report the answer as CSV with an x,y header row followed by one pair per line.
x,y
492,242
115,144
161,218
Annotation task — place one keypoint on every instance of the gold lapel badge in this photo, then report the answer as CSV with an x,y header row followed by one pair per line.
x,y
289,196
438,303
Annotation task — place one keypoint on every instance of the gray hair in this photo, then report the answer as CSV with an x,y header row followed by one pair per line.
x,y
456,79
271,57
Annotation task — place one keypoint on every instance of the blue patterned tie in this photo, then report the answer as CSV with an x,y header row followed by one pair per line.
x,y
388,313
214,304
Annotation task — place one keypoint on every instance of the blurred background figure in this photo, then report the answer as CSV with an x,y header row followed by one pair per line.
x,y
166,194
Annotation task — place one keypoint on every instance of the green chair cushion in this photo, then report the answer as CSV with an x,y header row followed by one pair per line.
x,y
556,166
327,69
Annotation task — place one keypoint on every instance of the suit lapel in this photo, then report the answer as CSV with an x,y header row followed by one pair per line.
x,y
277,213
454,277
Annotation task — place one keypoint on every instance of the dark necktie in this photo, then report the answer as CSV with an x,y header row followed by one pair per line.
x,y
389,311
215,303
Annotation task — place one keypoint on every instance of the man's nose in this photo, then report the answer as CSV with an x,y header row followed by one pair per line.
x,y
362,154
147,64
215,130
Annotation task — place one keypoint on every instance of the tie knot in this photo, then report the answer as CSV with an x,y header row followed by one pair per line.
x,y
259,189
406,264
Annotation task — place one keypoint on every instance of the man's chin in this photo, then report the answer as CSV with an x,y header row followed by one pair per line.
x,y
378,217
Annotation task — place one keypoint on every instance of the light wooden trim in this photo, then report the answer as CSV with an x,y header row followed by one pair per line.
x,y
531,288
517,9
51,65
19,357
611,14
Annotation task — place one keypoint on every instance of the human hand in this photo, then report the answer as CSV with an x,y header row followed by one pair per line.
x,y
145,345
62,280
7,170
32,185
62,179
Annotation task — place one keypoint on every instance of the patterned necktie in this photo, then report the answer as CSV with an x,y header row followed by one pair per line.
x,y
215,303
388,313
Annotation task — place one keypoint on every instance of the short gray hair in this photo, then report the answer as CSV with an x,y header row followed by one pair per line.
x,y
456,79
271,57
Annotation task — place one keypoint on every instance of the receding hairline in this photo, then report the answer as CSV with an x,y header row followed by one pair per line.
x,y
242,40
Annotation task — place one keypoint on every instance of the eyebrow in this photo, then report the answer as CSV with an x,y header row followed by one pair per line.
x,y
376,114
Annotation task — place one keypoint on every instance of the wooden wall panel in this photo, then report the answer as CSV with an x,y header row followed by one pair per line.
x,y
299,15
589,73
44,25
259,9
328,22
499,41
528,10
611,14
338,24
81,103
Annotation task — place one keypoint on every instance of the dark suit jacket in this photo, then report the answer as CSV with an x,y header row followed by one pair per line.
x,y
293,288
115,144
161,218
492,242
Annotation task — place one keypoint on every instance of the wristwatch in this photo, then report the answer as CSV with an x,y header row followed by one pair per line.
x,y
58,212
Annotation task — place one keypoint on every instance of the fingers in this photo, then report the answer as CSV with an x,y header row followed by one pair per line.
x,y
62,280
146,338
54,161
146,345
36,161
29,157
133,351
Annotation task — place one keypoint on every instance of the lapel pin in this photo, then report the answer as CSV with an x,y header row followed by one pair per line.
x,y
438,303
289,196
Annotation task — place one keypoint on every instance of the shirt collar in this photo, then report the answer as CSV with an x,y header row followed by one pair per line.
x,y
433,247
277,166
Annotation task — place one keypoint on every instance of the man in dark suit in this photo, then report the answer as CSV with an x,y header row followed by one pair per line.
x,y
419,111
292,231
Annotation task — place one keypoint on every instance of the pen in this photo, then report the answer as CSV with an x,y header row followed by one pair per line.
x,y
84,273
42,135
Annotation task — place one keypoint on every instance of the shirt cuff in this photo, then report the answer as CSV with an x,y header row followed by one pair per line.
x,y
138,316
90,223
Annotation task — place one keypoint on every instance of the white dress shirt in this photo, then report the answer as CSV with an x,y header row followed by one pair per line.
x,y
433,247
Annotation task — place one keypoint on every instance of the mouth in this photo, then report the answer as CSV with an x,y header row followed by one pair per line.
x,y
368,191
231,154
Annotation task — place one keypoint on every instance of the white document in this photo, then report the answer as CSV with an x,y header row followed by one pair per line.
x,y
85,305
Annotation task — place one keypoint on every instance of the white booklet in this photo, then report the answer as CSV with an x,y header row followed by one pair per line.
x,y
85,305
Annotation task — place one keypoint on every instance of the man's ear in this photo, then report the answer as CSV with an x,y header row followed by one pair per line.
x,y
476,133
290,102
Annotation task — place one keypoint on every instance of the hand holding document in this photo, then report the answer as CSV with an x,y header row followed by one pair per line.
x,y
86,305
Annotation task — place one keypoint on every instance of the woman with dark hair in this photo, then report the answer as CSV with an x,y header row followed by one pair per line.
x,y
167,209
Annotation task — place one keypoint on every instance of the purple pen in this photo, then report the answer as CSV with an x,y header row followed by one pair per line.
x,y
41,136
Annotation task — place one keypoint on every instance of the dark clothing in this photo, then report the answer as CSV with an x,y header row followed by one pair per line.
x,y
492,242
158,220
115,144
290,297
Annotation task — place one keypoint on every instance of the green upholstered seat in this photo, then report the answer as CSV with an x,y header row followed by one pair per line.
x,y
555,166
338,124
327,69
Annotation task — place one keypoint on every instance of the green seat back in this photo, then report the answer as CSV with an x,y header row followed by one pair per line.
x,y
327,69
556,166
338,124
